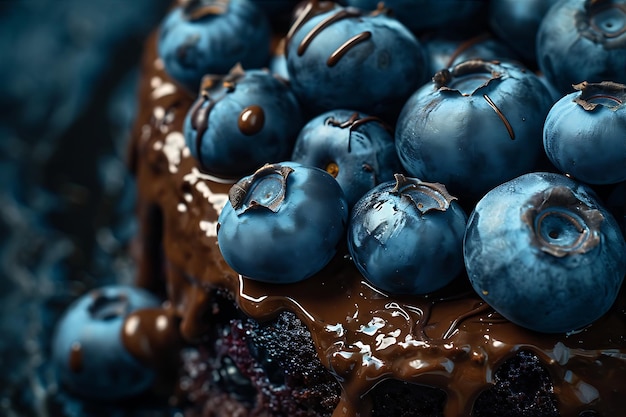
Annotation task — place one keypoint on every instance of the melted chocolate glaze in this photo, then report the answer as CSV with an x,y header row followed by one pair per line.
x,y
449,340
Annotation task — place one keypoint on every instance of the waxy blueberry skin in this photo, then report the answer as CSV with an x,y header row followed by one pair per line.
x,y
210,37
421,15
357,149
343,58
283,223
582,40
517,23
585,133
543,252
475,126
88,354
406,236
447,51
242,121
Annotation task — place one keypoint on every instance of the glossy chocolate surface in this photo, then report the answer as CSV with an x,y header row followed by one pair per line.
x,y
450,340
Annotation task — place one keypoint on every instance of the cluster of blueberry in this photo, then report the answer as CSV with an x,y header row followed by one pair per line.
x,y
359,75
540,248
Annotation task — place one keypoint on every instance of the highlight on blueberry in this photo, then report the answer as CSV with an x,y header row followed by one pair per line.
x,y
283,223
406,236
241,121
357,149
544,253
584,133
88,354
478,124
210,36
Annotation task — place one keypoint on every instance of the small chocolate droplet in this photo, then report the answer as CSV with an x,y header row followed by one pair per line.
x,y
251,120
76,357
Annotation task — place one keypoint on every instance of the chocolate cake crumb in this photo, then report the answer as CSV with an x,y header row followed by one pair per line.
x,y
522,389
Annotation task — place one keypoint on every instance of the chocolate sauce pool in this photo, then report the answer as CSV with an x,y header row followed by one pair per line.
x,y
450,340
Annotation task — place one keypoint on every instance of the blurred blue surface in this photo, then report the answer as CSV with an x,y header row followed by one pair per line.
x,y
68,73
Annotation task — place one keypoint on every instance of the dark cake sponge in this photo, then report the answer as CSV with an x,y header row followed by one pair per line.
x,y
248,368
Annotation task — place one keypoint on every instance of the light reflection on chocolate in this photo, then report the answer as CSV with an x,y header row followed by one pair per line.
x,y
251,120
449,340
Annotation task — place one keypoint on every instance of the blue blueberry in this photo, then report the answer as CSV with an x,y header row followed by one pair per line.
x,y
445,51
475,126
422,15
517,22
357,149
242,121
283,223
210,37
544,253
584,131
88,353
616,203
582,40
345,59
406,236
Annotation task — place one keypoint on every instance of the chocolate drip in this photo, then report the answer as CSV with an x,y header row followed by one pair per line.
x,y
251,120
76,357
311,8
200,120
317,29
346,46
501,115
448,340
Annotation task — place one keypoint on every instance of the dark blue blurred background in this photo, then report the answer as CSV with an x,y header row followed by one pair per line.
x,y
68,74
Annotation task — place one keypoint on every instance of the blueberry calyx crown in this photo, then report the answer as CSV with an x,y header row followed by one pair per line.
x,y
562,224
606,93
425,196
198,9
468,75
603,22
265,189
105,307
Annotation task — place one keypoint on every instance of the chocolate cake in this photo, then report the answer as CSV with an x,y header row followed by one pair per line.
x,y
332,344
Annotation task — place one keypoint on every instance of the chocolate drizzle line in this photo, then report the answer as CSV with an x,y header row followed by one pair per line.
x,y
317,29
76,357
501,115
367,336
346,46
198,9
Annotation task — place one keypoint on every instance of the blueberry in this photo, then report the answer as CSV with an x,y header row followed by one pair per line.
x,y
421,15
210,37
583,40
345,59
583,135
357,149
242,121
283,223
543,252
88,354
517,22
447,50
616,203
405,236
475,126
